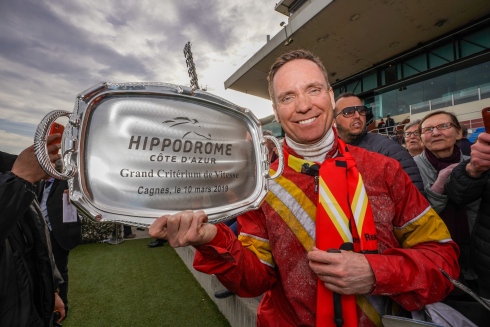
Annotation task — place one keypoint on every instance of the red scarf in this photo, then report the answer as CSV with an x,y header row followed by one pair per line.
x,y
343,214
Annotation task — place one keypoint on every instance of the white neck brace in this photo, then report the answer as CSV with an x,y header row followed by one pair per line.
x,y
314,152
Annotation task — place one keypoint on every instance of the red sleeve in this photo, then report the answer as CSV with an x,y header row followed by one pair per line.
x,y
237,268
410,274
411,277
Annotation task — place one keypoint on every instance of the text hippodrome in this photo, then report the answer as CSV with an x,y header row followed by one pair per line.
x,y
177,146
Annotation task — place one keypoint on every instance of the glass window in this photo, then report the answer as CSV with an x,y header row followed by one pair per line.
x,y
437,92
438,86
469,48
405,96
339,89
354,86
475,42
415,65
472,76
441,55
389,75
369,81
386,104
275,128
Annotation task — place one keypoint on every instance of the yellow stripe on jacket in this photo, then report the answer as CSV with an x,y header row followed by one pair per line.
x,y
259,246
426,227
295,208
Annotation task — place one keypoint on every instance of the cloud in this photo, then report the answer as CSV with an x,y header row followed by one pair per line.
x,y
50,51
11,141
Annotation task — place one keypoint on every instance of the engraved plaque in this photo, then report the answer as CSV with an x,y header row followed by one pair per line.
x,y
136,151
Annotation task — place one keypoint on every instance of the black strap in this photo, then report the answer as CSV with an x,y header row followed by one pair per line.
x,y
313,170
337,302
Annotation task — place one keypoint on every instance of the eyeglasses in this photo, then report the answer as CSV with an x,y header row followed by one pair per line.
x,y
439,127
350,111
408,134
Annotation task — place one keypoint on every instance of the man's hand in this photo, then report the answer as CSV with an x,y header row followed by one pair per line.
x,y
27,167
184,228
60,307
344,273
480,156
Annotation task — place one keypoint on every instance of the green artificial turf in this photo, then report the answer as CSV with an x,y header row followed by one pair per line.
x,y
130,284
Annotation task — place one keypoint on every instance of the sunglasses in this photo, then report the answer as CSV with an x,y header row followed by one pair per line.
x,y
439,127
350,111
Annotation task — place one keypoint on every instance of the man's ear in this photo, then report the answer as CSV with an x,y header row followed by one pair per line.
x,y
332,98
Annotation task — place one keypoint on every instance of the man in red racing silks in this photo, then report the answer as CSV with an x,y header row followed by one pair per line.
x,y
343,236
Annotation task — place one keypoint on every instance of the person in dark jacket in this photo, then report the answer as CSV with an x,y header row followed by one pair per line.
x,y
381,126
390,124
28,276
468,182
465,144
64,236
350,120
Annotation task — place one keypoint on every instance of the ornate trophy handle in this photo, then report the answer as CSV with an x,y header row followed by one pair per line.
x,y
41,151
280,167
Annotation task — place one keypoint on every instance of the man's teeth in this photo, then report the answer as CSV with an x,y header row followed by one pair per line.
x,y
307,121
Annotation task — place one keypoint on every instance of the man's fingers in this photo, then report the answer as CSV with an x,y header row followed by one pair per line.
x,y
483,137
184,228
53,137
323,256
175,221
202,218
159,227
53,149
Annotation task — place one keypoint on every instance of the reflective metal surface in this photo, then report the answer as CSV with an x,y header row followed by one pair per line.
x,y
141,150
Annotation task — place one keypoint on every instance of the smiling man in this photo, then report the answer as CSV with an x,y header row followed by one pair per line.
x,y
342,235
350,120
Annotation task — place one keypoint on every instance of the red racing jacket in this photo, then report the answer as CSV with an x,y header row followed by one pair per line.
x,y
270,254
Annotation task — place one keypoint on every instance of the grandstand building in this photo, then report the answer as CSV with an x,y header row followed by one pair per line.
x,y
401,57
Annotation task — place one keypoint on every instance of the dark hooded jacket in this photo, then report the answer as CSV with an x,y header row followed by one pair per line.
x,y
463,189
28,276
381,144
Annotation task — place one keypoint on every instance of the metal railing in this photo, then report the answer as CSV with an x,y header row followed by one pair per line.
x,y
463,96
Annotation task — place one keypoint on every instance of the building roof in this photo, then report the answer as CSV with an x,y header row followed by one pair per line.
x,y
351,36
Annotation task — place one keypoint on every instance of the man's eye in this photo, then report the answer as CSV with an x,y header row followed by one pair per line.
x,y
287,99
314,91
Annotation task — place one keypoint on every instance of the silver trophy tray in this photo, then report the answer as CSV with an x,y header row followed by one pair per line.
x,y
133,152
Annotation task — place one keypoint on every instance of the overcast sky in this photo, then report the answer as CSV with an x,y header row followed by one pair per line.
x,y
50,51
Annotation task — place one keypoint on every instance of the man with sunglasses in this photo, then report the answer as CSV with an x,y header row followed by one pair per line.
x,y
350,120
